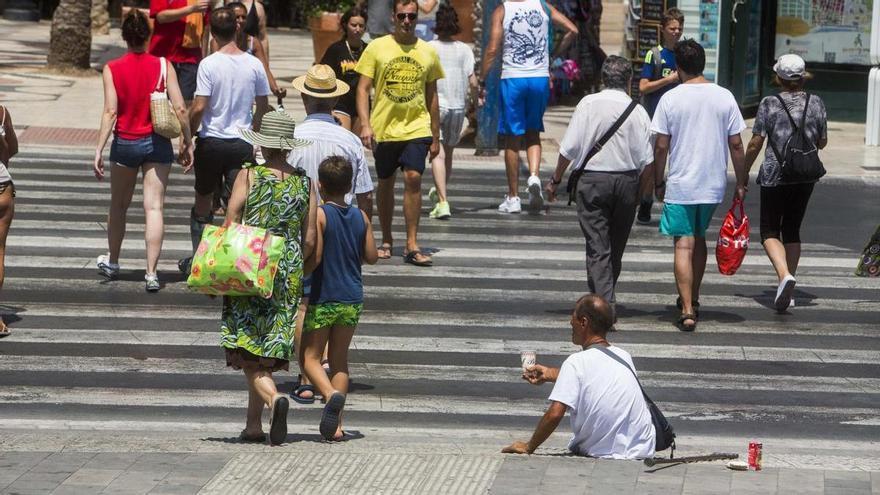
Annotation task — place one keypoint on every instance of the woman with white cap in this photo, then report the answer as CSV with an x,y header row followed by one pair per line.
x,y
784,202
257,333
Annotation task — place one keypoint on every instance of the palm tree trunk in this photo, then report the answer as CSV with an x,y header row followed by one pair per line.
x,y
70,39
100,17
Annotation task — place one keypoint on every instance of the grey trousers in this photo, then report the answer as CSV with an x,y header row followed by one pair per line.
x,y
606,204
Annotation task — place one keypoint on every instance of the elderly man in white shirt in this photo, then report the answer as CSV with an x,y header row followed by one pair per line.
x,y
609,414
320,90
608,189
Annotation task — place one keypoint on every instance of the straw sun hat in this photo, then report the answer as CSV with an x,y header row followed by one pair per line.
x,y
320,82
276,132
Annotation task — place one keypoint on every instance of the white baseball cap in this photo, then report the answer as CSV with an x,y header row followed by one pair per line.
x,y
790,67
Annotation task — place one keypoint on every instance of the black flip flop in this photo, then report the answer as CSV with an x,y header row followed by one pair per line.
x,y
278,425
687,328
244,437
410,258
330,417
296,395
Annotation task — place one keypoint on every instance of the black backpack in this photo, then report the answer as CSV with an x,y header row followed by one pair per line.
x,y
665,434
799,159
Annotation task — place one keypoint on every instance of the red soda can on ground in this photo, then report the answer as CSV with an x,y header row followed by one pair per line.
x,y
755,453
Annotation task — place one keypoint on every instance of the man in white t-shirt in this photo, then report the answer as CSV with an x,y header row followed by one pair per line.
x,y
228,84
696,124
457,60
609,415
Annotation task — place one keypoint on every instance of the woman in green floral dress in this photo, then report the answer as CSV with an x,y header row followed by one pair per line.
x,y
257,333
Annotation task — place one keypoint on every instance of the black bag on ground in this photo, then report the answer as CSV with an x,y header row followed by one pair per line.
x,y
665,434
799,159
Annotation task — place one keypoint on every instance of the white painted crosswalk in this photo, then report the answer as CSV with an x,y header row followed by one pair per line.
x,y
437,349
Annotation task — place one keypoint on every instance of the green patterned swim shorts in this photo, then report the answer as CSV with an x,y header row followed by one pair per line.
x,y
328,314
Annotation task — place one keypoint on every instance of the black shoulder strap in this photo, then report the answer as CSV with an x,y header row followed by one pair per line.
x,y
657,62
804,116
576,174
620,360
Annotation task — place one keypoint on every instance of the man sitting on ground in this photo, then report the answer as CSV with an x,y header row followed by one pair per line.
x,y
609,415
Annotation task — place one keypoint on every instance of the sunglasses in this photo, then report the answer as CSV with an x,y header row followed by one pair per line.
x,y
403,16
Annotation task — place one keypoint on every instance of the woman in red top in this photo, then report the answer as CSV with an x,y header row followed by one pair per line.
x,y
128,83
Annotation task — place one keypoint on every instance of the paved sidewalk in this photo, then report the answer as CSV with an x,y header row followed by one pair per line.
x,y
382,460
54,110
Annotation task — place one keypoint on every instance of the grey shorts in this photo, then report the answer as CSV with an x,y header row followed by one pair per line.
x,y
451,124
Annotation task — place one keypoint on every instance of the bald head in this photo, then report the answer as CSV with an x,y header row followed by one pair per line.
x,y
597,310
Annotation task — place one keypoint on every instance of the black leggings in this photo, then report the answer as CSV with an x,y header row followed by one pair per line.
x,y
782,211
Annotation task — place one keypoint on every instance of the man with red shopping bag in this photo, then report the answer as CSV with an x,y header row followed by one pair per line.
x,y
696,124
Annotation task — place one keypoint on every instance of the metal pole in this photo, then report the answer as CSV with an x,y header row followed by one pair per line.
x,y
487,116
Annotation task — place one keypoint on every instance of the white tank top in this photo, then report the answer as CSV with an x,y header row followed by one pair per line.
x,y
525,52
4,172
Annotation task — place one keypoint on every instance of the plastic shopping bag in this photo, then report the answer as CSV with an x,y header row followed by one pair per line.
x,y
238,260
733,240
869,263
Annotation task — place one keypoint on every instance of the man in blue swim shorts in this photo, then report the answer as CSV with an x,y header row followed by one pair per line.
x,y
521,32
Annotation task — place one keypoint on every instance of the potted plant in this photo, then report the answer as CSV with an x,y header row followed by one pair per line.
x,y
324,22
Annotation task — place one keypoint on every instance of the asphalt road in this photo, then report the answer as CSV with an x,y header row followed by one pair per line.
x,y
438,348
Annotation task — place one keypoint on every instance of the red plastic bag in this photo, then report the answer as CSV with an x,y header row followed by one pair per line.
x,y
733,240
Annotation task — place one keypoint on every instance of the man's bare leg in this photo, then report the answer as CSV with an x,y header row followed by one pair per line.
x,y
412,210
385,206
511,163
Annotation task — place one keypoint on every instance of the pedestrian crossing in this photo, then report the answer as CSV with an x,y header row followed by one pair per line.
x,y
437,351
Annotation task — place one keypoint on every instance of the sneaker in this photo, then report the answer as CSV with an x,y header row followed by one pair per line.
x,y
536,197
441,211
510,205
783,293
792,303
152,282
433,196
107,269
643,217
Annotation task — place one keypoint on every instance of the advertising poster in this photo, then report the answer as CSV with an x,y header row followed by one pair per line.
x,y
825,31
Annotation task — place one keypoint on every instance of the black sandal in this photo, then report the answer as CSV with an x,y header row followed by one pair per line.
x,y
685,327
695,303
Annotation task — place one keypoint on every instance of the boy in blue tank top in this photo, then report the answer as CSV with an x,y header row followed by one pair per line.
x,y
344,242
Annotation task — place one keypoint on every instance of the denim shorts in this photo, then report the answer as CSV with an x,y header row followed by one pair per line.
x,y
135,152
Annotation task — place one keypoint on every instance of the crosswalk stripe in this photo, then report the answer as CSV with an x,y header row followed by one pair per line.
x,y
440,372
462,345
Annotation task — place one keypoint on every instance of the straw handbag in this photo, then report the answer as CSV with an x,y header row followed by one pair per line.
x,y
165,122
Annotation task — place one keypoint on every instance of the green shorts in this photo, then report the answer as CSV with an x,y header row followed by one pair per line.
x,y
686,220
326,315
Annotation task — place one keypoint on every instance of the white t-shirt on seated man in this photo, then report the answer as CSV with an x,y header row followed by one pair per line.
x,y
609,415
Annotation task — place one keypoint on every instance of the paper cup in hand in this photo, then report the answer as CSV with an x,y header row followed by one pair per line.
x,y
528,359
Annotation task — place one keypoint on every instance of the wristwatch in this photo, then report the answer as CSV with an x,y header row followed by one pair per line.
x,y
554,181
660,184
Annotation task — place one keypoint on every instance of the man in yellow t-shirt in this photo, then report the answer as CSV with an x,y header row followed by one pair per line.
x,y
404,127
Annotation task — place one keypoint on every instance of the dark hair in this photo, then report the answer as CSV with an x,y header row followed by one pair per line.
x,y
235,5
672,14
135,28
402,2
335,174
597,310
690,57
617,72
446,23
352,12
223,24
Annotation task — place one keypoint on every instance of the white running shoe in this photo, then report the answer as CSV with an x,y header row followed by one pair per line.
x,y
783,293
107,269
536,197
510,205
152,282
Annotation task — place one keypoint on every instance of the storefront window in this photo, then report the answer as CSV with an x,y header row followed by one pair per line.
x,y
823,31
